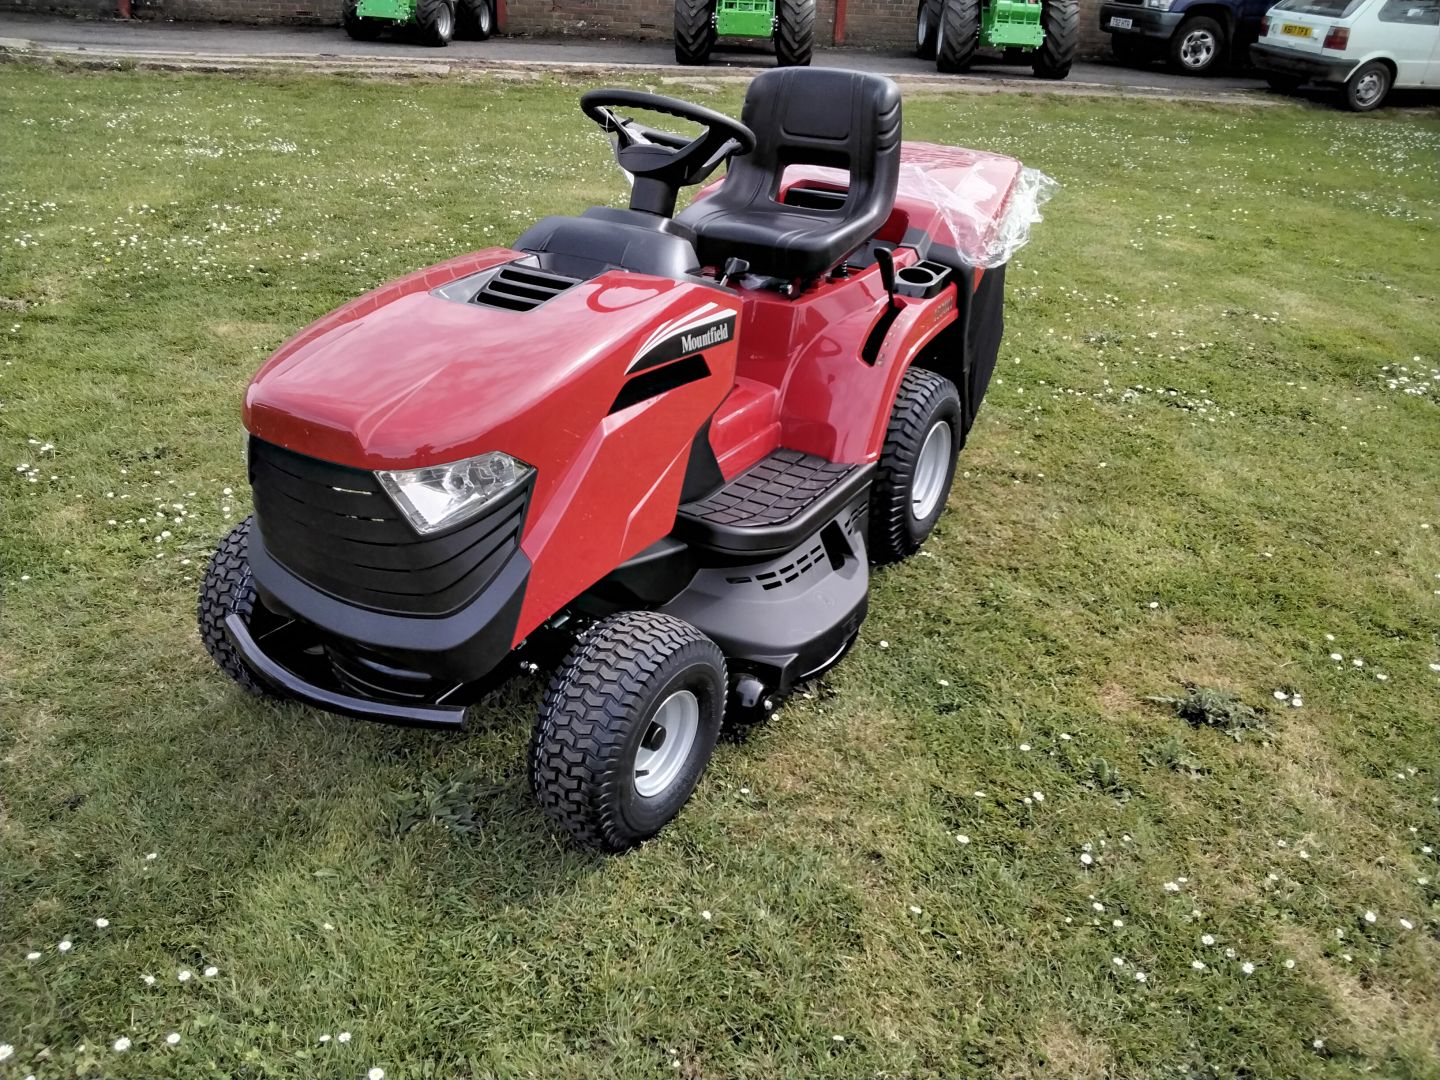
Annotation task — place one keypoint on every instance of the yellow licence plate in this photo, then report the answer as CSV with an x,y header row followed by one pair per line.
x,y
1295,30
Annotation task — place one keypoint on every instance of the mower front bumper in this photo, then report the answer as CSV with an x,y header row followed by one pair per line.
x,y
293,686
1144,22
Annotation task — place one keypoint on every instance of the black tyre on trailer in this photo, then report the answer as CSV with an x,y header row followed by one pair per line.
x,y
229,589
694,31
359,28
435,22
927,28
476,19
1060,19
958,36
916,467
1198,47
626,728
794,32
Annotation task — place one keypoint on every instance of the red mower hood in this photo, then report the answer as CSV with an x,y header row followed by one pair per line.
x,y
401,377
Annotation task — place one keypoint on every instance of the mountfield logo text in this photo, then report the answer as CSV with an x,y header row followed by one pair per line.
x,y
713,336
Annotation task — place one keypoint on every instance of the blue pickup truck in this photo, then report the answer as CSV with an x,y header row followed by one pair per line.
x,y
1197,37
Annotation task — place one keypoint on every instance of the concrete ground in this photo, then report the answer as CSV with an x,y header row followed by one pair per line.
x,y
198,42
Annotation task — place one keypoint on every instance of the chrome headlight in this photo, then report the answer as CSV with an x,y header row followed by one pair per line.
x,y
439,496
1158,5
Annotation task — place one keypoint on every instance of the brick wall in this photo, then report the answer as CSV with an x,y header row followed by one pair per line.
x,y
868,23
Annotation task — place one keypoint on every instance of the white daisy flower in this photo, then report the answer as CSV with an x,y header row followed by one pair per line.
x,y
173,1038
1248,968
66,945
122,1044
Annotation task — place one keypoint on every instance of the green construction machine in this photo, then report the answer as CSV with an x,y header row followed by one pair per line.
x,y
951,32
433,22
790,24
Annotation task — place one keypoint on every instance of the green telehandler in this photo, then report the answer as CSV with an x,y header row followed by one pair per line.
x,y
433,22
950,32
789,23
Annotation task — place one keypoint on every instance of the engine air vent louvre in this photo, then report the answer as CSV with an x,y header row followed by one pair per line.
x,y
519,288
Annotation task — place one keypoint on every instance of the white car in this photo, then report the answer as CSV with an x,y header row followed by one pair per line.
x,y
1365,46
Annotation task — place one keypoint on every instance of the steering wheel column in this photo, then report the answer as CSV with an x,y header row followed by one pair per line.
x,y
661,162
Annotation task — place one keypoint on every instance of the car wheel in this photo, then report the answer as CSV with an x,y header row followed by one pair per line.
x,y
627,726
1367,87
1198,47
228,589
916,467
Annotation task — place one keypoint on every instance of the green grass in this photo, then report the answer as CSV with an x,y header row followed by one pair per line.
x,y
1197,462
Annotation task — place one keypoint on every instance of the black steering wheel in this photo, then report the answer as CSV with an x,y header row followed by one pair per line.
x,y
661,161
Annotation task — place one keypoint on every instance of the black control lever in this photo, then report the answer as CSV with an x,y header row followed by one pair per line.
x,y
886,259
733,268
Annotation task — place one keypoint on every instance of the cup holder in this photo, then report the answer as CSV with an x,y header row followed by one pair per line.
x,y
921,280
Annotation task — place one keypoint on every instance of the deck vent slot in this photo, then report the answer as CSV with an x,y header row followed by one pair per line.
x,y
518,288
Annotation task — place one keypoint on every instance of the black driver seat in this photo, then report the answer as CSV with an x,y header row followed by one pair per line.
x,y
804,116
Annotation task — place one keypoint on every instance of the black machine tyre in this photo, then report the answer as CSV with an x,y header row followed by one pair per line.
x,y
794,32
959,35
1283,84
435,21
477,19
927,28
1367,88
694,31
359,28
900,518
1128,49
1060,19
228,589
1198,46
597,726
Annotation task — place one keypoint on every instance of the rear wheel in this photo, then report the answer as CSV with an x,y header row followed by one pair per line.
x,y
794,32
1060,19
1198,47
477,19
627,727
228,589
959,35
1366,89
916,467
435,20
694,31
359,29
927,28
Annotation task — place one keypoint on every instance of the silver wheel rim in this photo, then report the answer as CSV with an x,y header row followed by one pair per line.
x,y
940,37
1368,89
1197,48
666,745
484,20
445,24
930,470
922,25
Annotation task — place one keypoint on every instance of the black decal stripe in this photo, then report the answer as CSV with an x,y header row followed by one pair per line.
x,y
659,380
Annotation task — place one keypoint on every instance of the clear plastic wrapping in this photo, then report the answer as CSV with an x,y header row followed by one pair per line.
x,y
966,197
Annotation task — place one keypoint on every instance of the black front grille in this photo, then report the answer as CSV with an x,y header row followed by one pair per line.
x,y
335,528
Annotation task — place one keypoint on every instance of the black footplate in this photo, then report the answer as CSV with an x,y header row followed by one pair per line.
x,y
773,505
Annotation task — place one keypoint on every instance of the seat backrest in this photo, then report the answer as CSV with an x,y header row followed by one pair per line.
x,y
822,116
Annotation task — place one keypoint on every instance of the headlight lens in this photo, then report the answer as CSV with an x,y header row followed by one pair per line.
x,y
1158,5
439,496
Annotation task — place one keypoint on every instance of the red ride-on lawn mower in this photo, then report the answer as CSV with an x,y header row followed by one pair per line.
x,y
665,448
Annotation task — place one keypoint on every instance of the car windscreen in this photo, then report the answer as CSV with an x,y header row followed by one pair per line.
x,y
1329,9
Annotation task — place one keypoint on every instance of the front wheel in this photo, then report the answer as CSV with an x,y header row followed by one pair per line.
x,y
794,32
1060,19
228,589
1198,47
627,727
916,467
435,20
1366,89
694,31
958,36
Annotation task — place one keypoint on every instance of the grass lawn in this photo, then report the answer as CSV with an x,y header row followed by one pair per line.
x,y
1211,457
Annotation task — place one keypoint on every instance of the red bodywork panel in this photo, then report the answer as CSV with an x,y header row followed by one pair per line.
x,y
402,378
